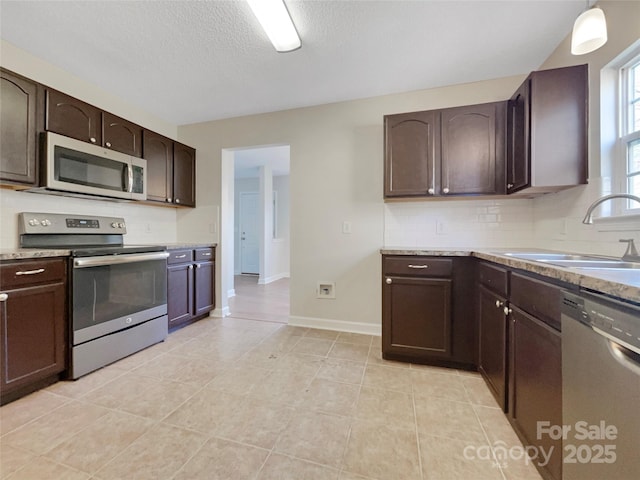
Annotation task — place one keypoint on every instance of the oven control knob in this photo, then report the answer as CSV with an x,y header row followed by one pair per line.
x,y
45,223
114,224
121,224
33,222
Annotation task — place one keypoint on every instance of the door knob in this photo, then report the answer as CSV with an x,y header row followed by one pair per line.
x,y
499,304
507,310
3,297
445,190
388,281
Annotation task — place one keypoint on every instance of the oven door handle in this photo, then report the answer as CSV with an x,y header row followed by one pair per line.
x,y
86,262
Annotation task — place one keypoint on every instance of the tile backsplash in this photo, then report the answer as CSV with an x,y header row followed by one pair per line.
x,y
460,224
145,224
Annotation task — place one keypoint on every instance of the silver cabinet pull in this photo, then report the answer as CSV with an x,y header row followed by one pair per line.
x,y
418,266
181,256
31,272
431,191
177,200
445,190
388,281
108,144
3,297
499,304
509,185
206,254
507,310
190,267
93,139
169,199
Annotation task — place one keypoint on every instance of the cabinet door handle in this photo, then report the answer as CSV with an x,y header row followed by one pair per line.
x,y
507,310
509,185
418,266
30,272
388,281
169,199
93,139
3,297
499,304
206,254
445,190
431,191
108,144
190,267
181,256
177,200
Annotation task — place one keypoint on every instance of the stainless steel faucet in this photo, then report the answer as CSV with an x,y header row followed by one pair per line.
x,y
631,254
588,218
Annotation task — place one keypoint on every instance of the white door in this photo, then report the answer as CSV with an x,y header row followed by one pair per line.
x,y
249,233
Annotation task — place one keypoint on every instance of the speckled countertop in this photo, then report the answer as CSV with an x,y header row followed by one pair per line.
x,y
620,283
26,253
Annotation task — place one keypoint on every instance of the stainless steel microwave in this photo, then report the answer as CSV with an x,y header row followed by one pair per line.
x,y
76,167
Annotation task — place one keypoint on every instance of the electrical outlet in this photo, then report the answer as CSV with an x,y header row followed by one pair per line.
x,y
326,290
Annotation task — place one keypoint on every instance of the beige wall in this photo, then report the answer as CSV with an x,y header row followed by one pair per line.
x,y
558,217
145,224
336,175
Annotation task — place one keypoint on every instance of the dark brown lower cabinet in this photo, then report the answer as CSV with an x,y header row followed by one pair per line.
x,y
492,350
535,385
427,315
190,285
33,315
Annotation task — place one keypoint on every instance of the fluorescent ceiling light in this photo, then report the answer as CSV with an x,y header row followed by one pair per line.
x,y
277,24
589,32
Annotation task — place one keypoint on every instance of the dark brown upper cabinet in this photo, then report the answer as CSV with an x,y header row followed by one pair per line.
x,y
455,151
76,119
73,118
121,135
410,147
171,170
547,131
21,103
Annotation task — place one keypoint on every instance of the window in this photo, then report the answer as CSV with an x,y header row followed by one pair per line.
x,y
630,127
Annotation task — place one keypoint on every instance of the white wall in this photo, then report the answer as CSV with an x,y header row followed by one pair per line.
x,y
336,175
145,224
558,217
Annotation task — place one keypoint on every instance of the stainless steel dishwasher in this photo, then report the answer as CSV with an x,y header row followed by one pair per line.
x,y
600,388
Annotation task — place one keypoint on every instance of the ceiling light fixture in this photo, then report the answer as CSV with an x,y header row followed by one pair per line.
x,y
589,32
277,24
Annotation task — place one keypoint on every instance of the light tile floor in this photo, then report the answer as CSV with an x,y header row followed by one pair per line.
x,y
244,399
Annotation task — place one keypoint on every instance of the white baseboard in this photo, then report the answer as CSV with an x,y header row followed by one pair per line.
x,y
231,293
338,325
220,312
273,278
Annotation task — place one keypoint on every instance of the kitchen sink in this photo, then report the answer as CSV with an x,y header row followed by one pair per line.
x,y
572,260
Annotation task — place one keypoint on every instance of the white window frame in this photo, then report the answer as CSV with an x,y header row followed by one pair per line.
x,y
625,136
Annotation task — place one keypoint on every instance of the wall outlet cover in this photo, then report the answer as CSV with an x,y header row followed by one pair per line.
x,y
326,290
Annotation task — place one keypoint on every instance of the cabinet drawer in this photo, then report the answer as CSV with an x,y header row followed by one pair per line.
x,y
418,266
494,278
204,254
180,256
20,273
540,299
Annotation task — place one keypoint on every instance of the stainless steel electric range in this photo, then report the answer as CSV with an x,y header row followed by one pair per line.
x,y
117,294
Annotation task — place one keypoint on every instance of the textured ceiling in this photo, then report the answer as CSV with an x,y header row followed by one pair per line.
x,y
191,61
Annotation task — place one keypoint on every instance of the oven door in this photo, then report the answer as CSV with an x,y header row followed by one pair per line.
x,y
114,292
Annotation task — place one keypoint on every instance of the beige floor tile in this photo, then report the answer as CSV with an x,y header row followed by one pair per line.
x,y
205,411
316,437
198,371
375,358
121,391
281,467
318,333
238,380
478,392
446,458
90,449
157,454
447,418
385,407
49,430
331,397
360,339
211,350
313,346
382,451
339,370
280,342
82,386
12,459
344,475
255,422
300,364
430,383
282,386
42,468
389,378
160,399
350,351
222,460
26,409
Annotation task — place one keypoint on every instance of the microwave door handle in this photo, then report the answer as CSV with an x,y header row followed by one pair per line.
x,y
128,183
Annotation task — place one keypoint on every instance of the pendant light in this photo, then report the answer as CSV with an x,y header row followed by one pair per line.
x,y
277,24
589,32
